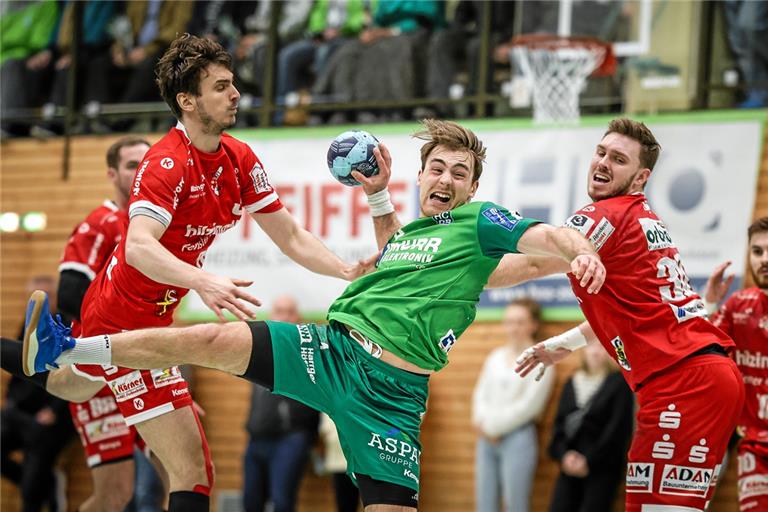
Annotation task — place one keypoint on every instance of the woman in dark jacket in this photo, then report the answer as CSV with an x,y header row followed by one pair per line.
x,y
591,434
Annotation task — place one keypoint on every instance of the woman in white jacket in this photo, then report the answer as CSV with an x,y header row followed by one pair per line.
x,y
505,408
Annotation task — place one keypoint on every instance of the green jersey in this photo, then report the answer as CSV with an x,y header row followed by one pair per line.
x,y
425,291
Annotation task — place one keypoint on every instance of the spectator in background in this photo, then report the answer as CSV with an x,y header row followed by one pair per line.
x,y
26,29
458,47
504,411
94,47
281,434
592,429
38,425
747,27
331,23
334,462
397,37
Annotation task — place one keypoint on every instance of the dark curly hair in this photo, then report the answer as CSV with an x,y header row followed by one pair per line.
x,y
181,67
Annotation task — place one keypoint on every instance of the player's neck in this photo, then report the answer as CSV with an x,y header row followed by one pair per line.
x,y
202,140
121,202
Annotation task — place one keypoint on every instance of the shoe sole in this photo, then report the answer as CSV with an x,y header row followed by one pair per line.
x,y
30,348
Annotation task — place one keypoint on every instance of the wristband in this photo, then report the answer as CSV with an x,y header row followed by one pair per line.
x,y
710,307
380,204
571,340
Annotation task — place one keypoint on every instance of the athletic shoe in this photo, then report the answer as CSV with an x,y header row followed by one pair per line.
x,y
45,337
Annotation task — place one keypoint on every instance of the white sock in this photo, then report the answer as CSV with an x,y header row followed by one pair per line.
x,y
92,350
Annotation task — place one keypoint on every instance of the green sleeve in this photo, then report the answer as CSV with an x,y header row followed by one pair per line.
x,y
317,15
498,230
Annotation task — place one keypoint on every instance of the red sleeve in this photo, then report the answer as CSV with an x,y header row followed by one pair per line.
x,y
594,222
723,317
158,187
258,194
90,245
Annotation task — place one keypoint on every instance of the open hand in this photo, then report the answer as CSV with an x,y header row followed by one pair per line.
x,y
221,293
717,287
539,356
362,267
590,272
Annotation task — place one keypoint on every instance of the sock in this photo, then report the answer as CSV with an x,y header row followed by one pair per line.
x,y
188,501
92,350
10,359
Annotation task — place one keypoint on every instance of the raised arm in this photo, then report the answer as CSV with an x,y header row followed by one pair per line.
x,y
514,269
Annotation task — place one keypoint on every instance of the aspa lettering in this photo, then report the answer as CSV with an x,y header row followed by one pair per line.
x,y
656,234
685,481
395,450
128,386
640,476
497,217
580,223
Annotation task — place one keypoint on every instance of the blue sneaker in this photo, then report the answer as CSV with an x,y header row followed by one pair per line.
x,y
45,338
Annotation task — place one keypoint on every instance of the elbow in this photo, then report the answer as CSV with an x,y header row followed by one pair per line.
x,y
133,251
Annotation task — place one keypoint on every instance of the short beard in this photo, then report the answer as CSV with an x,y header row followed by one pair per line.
x,y
210,126
623,190
756,279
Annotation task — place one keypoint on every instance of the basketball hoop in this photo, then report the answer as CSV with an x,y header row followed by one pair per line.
x,y
557,69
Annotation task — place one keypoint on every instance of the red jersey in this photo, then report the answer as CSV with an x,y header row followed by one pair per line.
x,y
647,315
93,240
195,195
744,317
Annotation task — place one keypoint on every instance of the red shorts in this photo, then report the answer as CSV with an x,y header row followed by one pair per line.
x,y
753,476
102,429
687,414
140,394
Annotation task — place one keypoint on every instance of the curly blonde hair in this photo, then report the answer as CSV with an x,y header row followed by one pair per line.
x,y
454,136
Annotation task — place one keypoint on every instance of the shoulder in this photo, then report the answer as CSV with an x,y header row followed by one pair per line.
x,y
744,296
237,147
101,212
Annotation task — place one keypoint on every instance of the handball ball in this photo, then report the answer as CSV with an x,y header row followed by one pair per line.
x,y
352,151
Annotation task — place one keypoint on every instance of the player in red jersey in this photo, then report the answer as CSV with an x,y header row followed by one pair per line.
x,y
654,324
744,317
195,183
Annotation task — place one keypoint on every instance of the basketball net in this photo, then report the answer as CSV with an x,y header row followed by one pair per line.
x,y
557,69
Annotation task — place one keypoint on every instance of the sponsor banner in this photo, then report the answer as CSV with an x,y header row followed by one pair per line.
x,y
128,386
703,188
752,486
685,481
106,428
640,476
166,376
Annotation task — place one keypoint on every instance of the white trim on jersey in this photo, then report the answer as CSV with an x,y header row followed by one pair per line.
x,y
258,205
148,209
108,203
92,378
149,414
78,267
668,508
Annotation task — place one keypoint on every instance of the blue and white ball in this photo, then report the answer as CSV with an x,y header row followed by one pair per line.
x,y
352,151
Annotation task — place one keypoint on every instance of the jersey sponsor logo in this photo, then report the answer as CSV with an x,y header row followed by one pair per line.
x,y
640,476
139,175
128,386
215,180
167,163
692,309
162,377
200,244
197,191
394,446
443,218
237,209
753,486
580,223
670,419
497,217
750,359
447,341
601,233
685,481
214,229
180,392
664,449
307,352
101,405
698,454
588,209
106,428
260,181
410,474
176,193
83,228
656,234
621,355
138,404
420,250
169,299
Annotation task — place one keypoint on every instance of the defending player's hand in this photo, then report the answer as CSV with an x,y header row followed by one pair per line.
x,y
221,294
590,272
717,287
362,267
539,357
377,182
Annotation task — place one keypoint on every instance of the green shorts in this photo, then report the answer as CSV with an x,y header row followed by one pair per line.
x,y
376,407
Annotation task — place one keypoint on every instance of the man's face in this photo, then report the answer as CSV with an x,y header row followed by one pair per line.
x,y
129,159
758,258
285,309
615,169
519,323
446,181
217,103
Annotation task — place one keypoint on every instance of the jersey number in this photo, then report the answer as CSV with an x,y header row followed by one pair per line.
x,y
762,407
679,285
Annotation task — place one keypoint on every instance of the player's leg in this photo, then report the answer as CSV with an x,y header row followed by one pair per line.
x,y
753,474
112,487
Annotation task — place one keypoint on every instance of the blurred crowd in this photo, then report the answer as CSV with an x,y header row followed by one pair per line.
x,y
328,51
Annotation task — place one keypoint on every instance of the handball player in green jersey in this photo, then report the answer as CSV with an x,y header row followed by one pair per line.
x,y
368,368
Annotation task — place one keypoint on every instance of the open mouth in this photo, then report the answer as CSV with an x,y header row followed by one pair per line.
x,y
440,196
600,177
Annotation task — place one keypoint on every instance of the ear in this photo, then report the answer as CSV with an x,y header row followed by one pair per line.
x,y
642,177
473,188
112,174
185,102
418,176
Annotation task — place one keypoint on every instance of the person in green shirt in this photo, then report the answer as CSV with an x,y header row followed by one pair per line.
x,y
368,368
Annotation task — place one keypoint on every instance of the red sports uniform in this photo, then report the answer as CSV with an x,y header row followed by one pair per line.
x,y
102,429
196,196
744,316
652,322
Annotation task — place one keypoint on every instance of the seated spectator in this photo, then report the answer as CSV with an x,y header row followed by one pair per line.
x,y
398,37
504,411
747,26
334,462
331,24
38,425
591,434
281,434
26,29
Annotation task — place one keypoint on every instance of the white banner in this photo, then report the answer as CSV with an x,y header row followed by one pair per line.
x,y
703,187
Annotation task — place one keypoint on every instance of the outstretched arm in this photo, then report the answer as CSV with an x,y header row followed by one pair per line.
x,y
554,349
514,269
